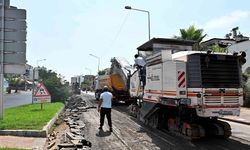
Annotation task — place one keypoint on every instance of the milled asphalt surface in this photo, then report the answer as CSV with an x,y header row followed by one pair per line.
x,y
38,143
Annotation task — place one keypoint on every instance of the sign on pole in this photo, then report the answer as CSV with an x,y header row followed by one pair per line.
x,y
41,95
14,39
12,43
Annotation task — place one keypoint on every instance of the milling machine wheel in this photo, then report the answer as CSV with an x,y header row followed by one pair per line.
x,y
153,120
172,125
133,110
227,129
195,131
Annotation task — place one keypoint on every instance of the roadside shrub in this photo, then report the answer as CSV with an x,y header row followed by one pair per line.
x,y
246,89
58,89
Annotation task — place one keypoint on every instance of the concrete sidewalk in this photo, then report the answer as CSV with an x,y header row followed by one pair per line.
x,y
244,117
22,142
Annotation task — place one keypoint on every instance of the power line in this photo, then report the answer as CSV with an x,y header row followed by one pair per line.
x,y
118,33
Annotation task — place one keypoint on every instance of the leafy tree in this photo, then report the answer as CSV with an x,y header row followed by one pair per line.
x,y
87,84
103,72
15,82
247,71
54,84
246,87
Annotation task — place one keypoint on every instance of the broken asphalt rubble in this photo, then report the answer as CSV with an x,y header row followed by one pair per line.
x,y
74,138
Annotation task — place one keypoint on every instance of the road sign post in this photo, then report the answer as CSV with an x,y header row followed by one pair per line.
x,y
2,52
12,43
41,95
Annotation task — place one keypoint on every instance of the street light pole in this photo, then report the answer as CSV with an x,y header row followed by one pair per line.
x,y
141,10
39,61
33,80
98,61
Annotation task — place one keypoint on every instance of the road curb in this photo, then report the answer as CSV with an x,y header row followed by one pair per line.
x,y
34,133
237,121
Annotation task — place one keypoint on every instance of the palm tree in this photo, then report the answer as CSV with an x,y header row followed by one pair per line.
x,y
192,34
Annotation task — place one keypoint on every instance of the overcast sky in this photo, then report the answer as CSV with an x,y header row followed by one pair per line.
x,y
65,32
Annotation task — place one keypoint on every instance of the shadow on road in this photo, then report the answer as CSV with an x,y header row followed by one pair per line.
x,y
102,133
169,141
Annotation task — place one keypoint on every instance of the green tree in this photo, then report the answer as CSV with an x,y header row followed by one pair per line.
x,y
87,84
59,90
246,87
192,34
15,83
104,71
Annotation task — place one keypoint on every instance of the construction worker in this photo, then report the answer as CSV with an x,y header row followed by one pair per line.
x,y
140,64
104,107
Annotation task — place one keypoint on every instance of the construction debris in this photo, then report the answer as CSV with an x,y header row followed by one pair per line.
x,y
74,137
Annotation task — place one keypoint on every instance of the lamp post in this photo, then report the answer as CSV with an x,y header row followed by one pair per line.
x,y
98,61
39,61
141,10
88,70
33,78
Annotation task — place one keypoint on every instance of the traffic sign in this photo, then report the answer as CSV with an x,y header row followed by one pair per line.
x,y
41,95
6,2
14,58
13,13
41,91
14,68
46,99
14,24
15,47
14,38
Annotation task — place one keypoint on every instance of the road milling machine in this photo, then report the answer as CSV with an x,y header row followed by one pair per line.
x,y
117,80
187,91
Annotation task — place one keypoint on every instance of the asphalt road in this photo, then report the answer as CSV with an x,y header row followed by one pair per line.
x,y
130,134
240,131
17,99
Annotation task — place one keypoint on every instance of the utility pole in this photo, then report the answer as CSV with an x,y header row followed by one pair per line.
x,y
33,81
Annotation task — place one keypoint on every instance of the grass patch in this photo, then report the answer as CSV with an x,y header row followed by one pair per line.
x,y
29,117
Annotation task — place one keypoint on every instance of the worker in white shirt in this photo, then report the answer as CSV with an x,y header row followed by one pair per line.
x,y
140,64
104,107
139,61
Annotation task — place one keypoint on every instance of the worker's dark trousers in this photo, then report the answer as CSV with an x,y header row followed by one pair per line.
x,y
107,112
142,75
